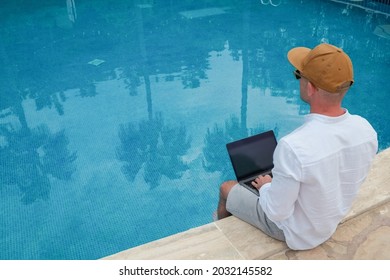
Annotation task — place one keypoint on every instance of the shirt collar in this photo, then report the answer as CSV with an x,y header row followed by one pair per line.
x,y
327,119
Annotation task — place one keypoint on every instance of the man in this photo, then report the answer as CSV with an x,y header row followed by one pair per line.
x,y
319,167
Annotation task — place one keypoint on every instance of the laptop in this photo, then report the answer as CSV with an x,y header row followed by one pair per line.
x,y
251,157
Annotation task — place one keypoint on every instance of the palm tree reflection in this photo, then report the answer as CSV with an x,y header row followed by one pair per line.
x,y
29,156
215,156
155,147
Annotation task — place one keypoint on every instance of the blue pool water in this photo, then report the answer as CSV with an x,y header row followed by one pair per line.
x,y
114,115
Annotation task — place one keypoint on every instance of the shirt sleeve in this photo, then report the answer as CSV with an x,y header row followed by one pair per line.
x,y
277,199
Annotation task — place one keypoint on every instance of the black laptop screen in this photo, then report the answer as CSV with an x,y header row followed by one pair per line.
x,y
252,155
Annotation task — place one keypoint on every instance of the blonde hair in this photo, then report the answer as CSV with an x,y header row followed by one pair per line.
x,y
334,98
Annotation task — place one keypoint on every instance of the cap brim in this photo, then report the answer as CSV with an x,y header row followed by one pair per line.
x,y
296,56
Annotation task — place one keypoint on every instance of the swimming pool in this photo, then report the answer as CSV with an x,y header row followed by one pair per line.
x,y
114,115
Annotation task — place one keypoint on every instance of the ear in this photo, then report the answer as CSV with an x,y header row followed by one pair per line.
x,y
311,89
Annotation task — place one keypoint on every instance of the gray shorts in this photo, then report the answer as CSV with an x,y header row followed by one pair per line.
x,y
244,204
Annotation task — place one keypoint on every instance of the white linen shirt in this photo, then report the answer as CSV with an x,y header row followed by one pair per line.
x,y
318,169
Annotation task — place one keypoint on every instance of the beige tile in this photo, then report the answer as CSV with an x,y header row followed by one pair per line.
x,y
376,189
376,246
206,242
248,240
363,237
374,242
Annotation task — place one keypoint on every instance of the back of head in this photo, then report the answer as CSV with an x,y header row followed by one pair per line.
x,y
326,66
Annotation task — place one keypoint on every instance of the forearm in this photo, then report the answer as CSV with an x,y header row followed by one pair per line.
x,y
277,198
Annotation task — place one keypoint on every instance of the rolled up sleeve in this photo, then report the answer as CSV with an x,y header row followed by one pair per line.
x,y
278,198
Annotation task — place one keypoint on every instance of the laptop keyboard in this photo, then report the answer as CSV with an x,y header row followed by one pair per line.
x,y
249,183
